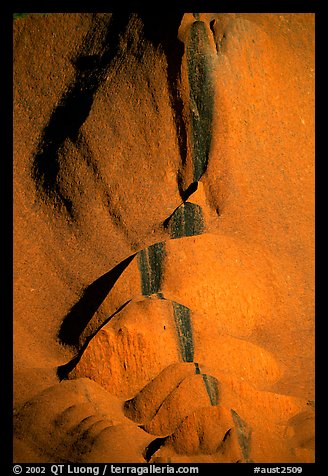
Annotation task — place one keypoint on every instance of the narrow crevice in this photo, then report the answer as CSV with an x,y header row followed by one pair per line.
x,y
212,23
153,446
197,369
220,42
212,28
184,196
189,191
227,433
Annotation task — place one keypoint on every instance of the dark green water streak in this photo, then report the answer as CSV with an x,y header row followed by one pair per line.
x,y
201,96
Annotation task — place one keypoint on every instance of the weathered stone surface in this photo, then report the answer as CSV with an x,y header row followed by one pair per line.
x,y
132,348
76,421
232,283
207,431
143,407
163,223
148,335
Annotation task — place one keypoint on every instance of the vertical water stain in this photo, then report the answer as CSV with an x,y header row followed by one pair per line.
x,y
184,329
187,220
201,96
244,435
151,264
211,385
212,388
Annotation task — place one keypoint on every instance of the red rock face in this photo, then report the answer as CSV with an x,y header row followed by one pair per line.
x,y
164,237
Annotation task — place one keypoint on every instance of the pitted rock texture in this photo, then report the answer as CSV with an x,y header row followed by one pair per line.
x,y
74,422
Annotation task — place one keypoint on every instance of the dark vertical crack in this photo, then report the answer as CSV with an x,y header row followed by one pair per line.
x,y
153,446
212,28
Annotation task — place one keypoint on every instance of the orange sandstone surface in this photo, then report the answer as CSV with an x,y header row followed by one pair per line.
x,y
164,238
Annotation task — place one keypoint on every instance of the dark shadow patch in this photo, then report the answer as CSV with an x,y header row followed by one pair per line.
x,y
161,296
184,330
189,191
227,433
153,446
81,313
197,369
151,266
212,27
